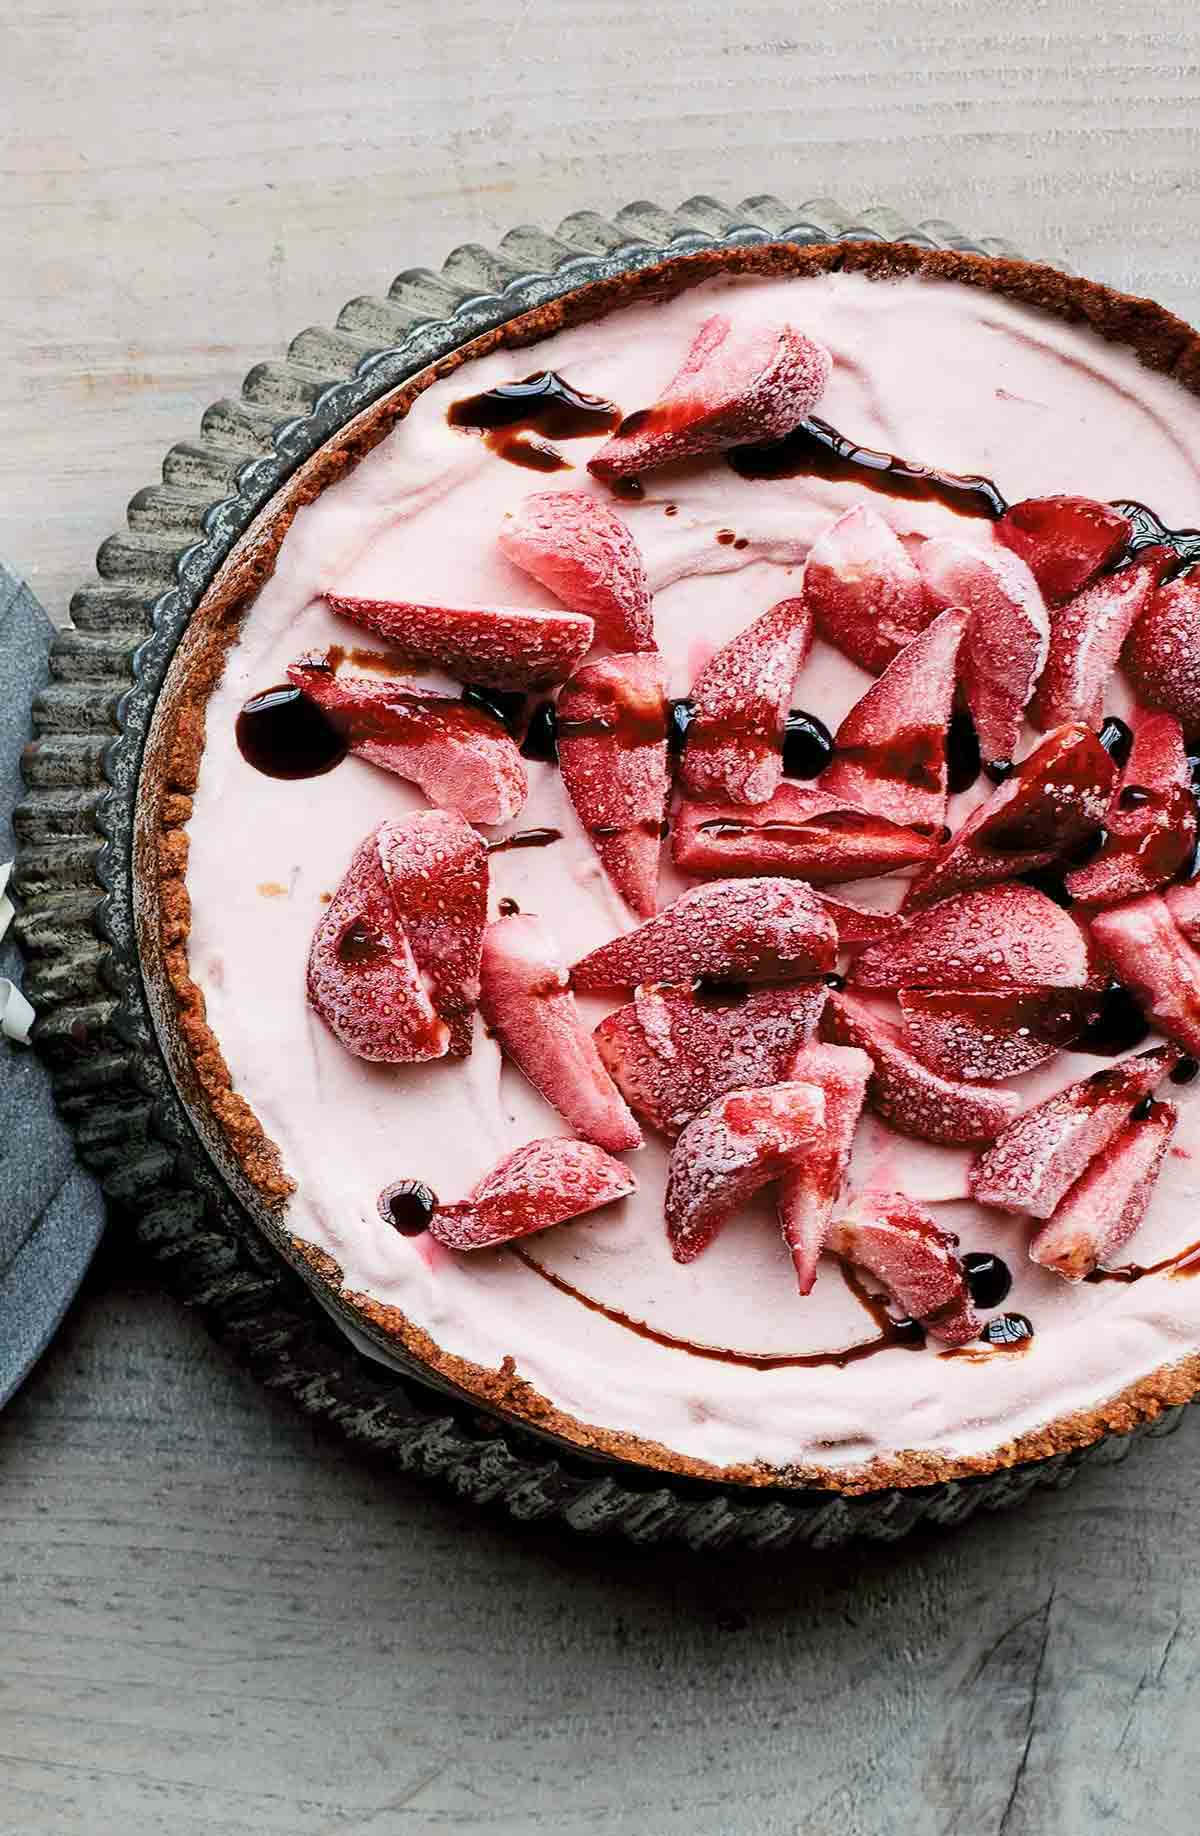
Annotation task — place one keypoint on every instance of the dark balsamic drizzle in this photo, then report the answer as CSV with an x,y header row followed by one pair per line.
x,y
807,745
285,735
963,762
518,419
541,734
989,1279
1149,531
1119,1026
816,449
525,838
1185,1263
1117,740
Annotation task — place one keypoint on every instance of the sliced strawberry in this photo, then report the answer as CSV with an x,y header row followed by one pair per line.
x,y
863,590
765,930
737,384
1009,636
890,753
979,1036
504,646
898,1243
1065,541
612,753
1183,903
804,830
1051,803
672,1051
526,1000
1162,652
857,926
1108,1201
437,871
736,1145
1007,936
809,1192
906,1093
734,749
460,758
543,1183
1040,1156
1086,636
363,979
1145,950
1150,828
582,551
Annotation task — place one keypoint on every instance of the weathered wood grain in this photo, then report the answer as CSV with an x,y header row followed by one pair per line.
x,y
214,1618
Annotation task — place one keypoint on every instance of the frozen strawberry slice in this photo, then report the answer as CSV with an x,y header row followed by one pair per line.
x,y
898,1243
612,753
809,1192
1040,1156
734,749
363,979
437,872
1162,652
504,646
543,1183
979,1036
856,925
1053,801
582,551
804,830
1007,936
1110,1198
1183,903
1146,951
738,383
864,591
1065,541
1009,636
672,1051
906,1093
736,1145
460,758
526,1000
890,753
1086,636
765,930
1150,828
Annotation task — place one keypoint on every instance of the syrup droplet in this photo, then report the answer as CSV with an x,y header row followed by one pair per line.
x,y
807,745
541,734
408,1206
361,945
1186,1071
285,735
1142,1110
508,908
1119,1026
679,719
988,1278
963,762
713,993
1117,740
1008,1332
505,705
998,769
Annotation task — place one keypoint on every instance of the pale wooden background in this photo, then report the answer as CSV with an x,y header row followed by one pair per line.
x,y
212,1618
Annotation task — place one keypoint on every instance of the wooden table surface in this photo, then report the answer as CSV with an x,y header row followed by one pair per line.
x,y
214,1618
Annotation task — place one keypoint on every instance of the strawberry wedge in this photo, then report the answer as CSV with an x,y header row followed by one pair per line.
x,y
856,925
906,1093
1009,636
808,1193
437,869
672,1052
734,749
1086,635
1064,541
543,1183
1162,652
980,1037
732,1148
1150,828
583,553
864,592
738,383
1108,1201
766,930
804,830
612,754
393,970
1039,1157
898,1243
890,755
1007,936
526,1001
1053,801
1146,951
461,758
504,646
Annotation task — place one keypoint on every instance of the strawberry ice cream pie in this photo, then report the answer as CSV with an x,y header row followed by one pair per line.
x,y
675,850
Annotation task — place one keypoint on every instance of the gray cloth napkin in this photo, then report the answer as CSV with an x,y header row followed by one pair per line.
x,y
51,1211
